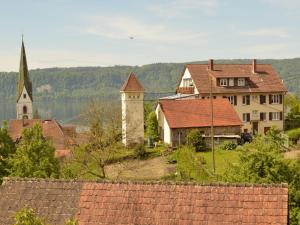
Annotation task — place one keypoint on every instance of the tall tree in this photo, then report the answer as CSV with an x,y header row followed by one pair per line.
x,y
7,147
34,156
152,125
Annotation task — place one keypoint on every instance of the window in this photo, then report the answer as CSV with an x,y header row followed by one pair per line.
x,y
275,116
241,82
246,100
188,82
24,95
231,81
262,99
24,109
232,99
223,82
263,116
275,99
246,117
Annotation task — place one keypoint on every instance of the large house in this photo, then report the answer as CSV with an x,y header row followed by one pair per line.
x,y
254,90
177,117
144,203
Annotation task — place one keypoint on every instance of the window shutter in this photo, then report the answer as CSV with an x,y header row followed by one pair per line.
x,y
248,117
281,116
280,99
261,116
235,100
270,99
248,99
218,81
270,116
262,99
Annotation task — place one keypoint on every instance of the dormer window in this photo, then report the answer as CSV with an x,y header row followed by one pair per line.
x,y
223,82
188,82
241,82
231,82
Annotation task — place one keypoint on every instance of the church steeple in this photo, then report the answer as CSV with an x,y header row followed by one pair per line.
x,y
24,80
24,89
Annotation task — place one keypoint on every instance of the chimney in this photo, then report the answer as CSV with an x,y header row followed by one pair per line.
x,y
210,64
254,66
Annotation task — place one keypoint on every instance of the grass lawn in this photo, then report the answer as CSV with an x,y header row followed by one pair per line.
x,y
221,158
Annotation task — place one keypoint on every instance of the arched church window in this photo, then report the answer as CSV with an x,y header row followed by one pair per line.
x,y
24,109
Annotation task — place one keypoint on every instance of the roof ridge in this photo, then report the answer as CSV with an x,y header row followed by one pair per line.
x,y
148,182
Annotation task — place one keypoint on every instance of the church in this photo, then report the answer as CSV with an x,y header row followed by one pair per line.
x,y
62,137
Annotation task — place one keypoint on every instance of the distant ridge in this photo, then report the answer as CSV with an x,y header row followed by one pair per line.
x,y
158,79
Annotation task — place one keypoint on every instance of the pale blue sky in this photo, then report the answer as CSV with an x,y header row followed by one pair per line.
x,y
65,33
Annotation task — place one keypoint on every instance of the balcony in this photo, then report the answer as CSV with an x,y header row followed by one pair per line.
x,y
185,90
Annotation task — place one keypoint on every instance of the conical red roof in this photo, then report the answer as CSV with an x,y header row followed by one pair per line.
x,y
132,84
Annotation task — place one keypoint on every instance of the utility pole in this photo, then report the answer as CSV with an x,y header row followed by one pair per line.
x,y
212,127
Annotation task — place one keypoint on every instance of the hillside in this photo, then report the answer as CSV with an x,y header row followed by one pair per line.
x,y
104,82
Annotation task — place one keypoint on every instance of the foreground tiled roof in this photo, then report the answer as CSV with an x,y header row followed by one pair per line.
x,y
264,80
139,203
132,84
197,113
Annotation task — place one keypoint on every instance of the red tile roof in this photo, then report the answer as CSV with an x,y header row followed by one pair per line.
x,y
264,80
143,203
132,84
61,137
197,113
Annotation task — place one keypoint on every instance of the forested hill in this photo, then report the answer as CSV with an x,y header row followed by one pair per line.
x,y
105,82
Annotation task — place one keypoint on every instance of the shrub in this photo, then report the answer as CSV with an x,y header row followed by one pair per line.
x,y
228,145
294,135
139,151
196,141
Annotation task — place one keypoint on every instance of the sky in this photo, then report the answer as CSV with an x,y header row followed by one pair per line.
x,y
70,33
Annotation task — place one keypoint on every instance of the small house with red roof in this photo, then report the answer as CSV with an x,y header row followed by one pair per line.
x,y
255,91
63,137
177,117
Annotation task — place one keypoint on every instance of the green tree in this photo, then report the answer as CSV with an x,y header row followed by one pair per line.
x,y
261,161
88,161
195,140
34,156
27,216
152,126
7,148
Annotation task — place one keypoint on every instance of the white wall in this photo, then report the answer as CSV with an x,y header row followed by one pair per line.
x,y
187,75
24,102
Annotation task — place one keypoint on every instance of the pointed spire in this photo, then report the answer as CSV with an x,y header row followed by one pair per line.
x,y
132,84
24,80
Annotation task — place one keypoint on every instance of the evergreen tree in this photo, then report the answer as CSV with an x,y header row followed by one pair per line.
x,y
34,156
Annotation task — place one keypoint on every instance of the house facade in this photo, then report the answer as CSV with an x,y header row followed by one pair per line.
x,y
177,117
254,90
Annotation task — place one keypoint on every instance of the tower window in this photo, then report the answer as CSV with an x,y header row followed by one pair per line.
x,y
24,95
24,109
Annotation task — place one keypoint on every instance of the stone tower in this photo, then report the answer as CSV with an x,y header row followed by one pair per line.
x,y
24,89
132,97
